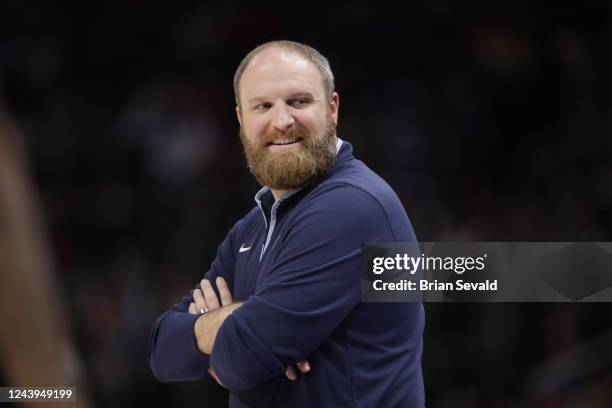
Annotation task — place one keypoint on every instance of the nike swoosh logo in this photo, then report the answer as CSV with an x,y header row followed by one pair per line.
x,y
243,248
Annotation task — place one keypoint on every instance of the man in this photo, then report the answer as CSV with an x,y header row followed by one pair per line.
x,y
284,288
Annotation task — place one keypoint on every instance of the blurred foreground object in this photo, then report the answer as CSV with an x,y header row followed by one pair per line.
x,y
35,345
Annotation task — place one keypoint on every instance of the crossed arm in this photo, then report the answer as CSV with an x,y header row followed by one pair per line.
x,y
212,315
309,290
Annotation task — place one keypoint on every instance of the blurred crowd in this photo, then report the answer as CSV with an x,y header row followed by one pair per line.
x,y
492,123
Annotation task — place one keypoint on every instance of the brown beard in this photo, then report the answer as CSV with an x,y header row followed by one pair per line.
x,y
295,168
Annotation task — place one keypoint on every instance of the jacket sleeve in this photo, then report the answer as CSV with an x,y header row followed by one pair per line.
x,y
173,351
311,288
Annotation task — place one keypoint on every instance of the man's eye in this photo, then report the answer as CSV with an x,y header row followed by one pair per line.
x,y
262,106
299,102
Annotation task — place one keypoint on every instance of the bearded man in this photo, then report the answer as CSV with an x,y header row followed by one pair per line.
x,y
284,289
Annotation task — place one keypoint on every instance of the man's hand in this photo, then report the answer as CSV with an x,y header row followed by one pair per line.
x,y
208,324
213,314
303,366
205,299
205,302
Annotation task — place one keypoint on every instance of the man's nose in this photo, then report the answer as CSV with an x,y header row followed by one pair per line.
x,y
282,119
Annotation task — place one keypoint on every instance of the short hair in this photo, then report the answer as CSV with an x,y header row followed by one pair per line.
x,y
312,55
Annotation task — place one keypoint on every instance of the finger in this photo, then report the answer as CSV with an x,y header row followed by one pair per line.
x,y
209,295
290,373
224,292
199,301
192,308
303,366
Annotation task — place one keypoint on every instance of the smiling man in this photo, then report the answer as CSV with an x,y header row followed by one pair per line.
x,y
284,289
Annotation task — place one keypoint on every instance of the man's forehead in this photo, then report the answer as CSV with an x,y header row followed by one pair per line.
x,y
282,67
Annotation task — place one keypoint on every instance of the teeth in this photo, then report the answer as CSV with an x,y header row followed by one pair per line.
x,y
285,141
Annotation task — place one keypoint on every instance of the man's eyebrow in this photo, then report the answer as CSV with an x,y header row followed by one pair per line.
x,y
256,99
302,94
298,94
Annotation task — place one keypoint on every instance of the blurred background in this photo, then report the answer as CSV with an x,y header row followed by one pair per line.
x,y
493,122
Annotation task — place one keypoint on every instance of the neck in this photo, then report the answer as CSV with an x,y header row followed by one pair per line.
x,y
278,193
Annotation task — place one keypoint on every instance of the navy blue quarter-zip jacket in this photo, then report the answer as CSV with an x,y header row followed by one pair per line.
x,y
296,264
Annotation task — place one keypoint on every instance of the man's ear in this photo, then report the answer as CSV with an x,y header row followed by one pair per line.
x,y
334,106
239,114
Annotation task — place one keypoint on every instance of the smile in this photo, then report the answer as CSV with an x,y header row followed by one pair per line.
x,y
284,144
285,141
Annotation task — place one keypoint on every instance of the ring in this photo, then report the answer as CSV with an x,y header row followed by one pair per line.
x,y
203,311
